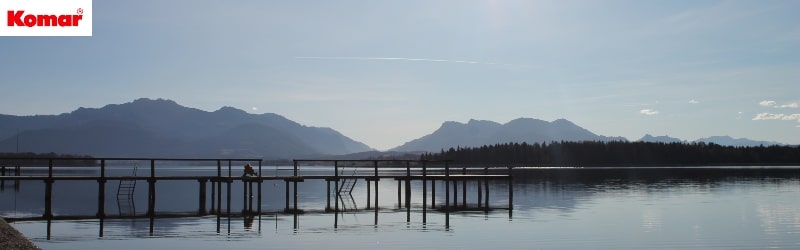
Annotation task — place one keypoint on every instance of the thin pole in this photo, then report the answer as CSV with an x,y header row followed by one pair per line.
x,y
219,189
408,184
260,180
424,193
447,195
101,191
287,194
202,196
336,189
464,188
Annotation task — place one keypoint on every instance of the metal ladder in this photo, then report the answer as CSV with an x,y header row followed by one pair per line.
x,y
347,184
126,187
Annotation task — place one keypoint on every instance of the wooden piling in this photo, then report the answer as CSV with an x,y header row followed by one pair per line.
x,y
244,197
328,195
202,198
336,179
219,187
464,189
228,197
369,195
287,195
101,191
151,200
48,199
447,195
408,185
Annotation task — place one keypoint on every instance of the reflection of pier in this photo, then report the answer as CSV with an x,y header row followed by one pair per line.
x,y
426,173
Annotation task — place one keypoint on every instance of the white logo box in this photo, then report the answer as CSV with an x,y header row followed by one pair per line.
x,y
46,18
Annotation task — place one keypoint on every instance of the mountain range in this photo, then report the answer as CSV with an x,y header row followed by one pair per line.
x,y
476,133
162,128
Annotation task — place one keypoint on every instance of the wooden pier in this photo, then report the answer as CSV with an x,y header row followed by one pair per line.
x,y
345,172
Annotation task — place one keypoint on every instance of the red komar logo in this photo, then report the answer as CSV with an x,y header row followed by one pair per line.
x,y
16,18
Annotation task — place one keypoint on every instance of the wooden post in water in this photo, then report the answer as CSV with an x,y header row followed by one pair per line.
x,y
219,187
510,192
228,197
244,197
49,168
213,195
250,197
48,199
464,188
336,190
328,195
376,192
202,197
17,172
447,195
286,181
101,191
486,188
48,195
260,180
408,184
424,192
151,197
369,194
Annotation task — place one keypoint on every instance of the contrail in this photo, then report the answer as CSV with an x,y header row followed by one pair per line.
x,y
396,59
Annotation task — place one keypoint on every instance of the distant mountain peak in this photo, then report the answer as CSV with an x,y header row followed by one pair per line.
x,y
162,127
662,139
726,140
231,110
477,133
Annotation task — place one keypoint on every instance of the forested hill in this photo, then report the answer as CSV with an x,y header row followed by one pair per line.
x,y
617,153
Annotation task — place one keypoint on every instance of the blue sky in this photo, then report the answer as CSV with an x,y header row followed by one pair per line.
x,y
386,72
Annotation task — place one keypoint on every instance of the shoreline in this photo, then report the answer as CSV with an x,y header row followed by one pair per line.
x,y
10,238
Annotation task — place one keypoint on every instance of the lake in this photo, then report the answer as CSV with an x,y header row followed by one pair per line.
x,y
553,208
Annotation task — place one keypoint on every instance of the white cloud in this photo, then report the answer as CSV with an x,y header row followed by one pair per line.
x,y
693,101
766,103
648,112
770,116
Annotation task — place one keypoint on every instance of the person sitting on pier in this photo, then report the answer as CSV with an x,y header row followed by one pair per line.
x,y
249,171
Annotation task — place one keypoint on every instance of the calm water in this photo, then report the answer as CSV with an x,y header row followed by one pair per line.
x,y
668,208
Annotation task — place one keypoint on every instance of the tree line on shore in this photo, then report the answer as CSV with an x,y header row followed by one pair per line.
x,y
42,159
619,153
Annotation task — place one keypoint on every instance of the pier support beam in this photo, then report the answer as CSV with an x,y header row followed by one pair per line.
x,y
48,199
101,192
464,189
424,193
151,197
202,198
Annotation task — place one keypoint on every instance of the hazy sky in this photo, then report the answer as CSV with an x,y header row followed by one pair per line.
x,y
386,72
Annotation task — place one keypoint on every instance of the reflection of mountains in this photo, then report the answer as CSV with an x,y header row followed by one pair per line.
x,y
566,188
